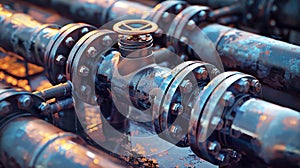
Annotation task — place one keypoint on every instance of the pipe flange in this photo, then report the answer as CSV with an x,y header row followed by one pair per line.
x,y
215,107
180,89
58,50
186,37
14,102
168,78
162,15
85,60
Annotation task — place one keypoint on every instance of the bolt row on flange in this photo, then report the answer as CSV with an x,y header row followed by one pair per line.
x,y
239,50
212,107
218,115
22,133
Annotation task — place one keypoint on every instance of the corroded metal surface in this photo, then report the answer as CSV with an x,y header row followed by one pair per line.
x,y
31,142
41,44
144,107
278,61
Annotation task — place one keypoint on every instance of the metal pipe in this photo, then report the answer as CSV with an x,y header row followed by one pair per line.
x,y
27,141
40,44
57,91
273,62
95,12
270,14
41,14
25,36
272,135
55,56
198,107
285,54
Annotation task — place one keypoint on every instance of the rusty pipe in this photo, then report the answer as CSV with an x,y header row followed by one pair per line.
x,y
25,36
267,130
57,91
27,141
40,44
95,12
270,14
274,63
273,48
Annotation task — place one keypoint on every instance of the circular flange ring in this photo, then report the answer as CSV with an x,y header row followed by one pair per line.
x,y
196,114
84,67
202,48
12,96
57,46
181,20
172,90
158,100
213,108
163,7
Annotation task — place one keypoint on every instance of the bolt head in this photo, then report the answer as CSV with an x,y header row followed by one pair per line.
x,y
249,16
25,101
184,57
186,86
60,60
184,41
272,22
255,84
221,157
70,41
176,109
202,14
94,100
84,30
215,121
243,85
107,41
92,52
201,73
214,147
5,107
44,107
166,17
228,99
274,8
61,78
84,71
175,130
250,2
191,25
178,8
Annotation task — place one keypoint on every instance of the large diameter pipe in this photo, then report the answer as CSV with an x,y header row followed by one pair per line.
x,y
269,132
273,62
287,14
31,142
40,44
95,12
270,14
25,36
269,58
